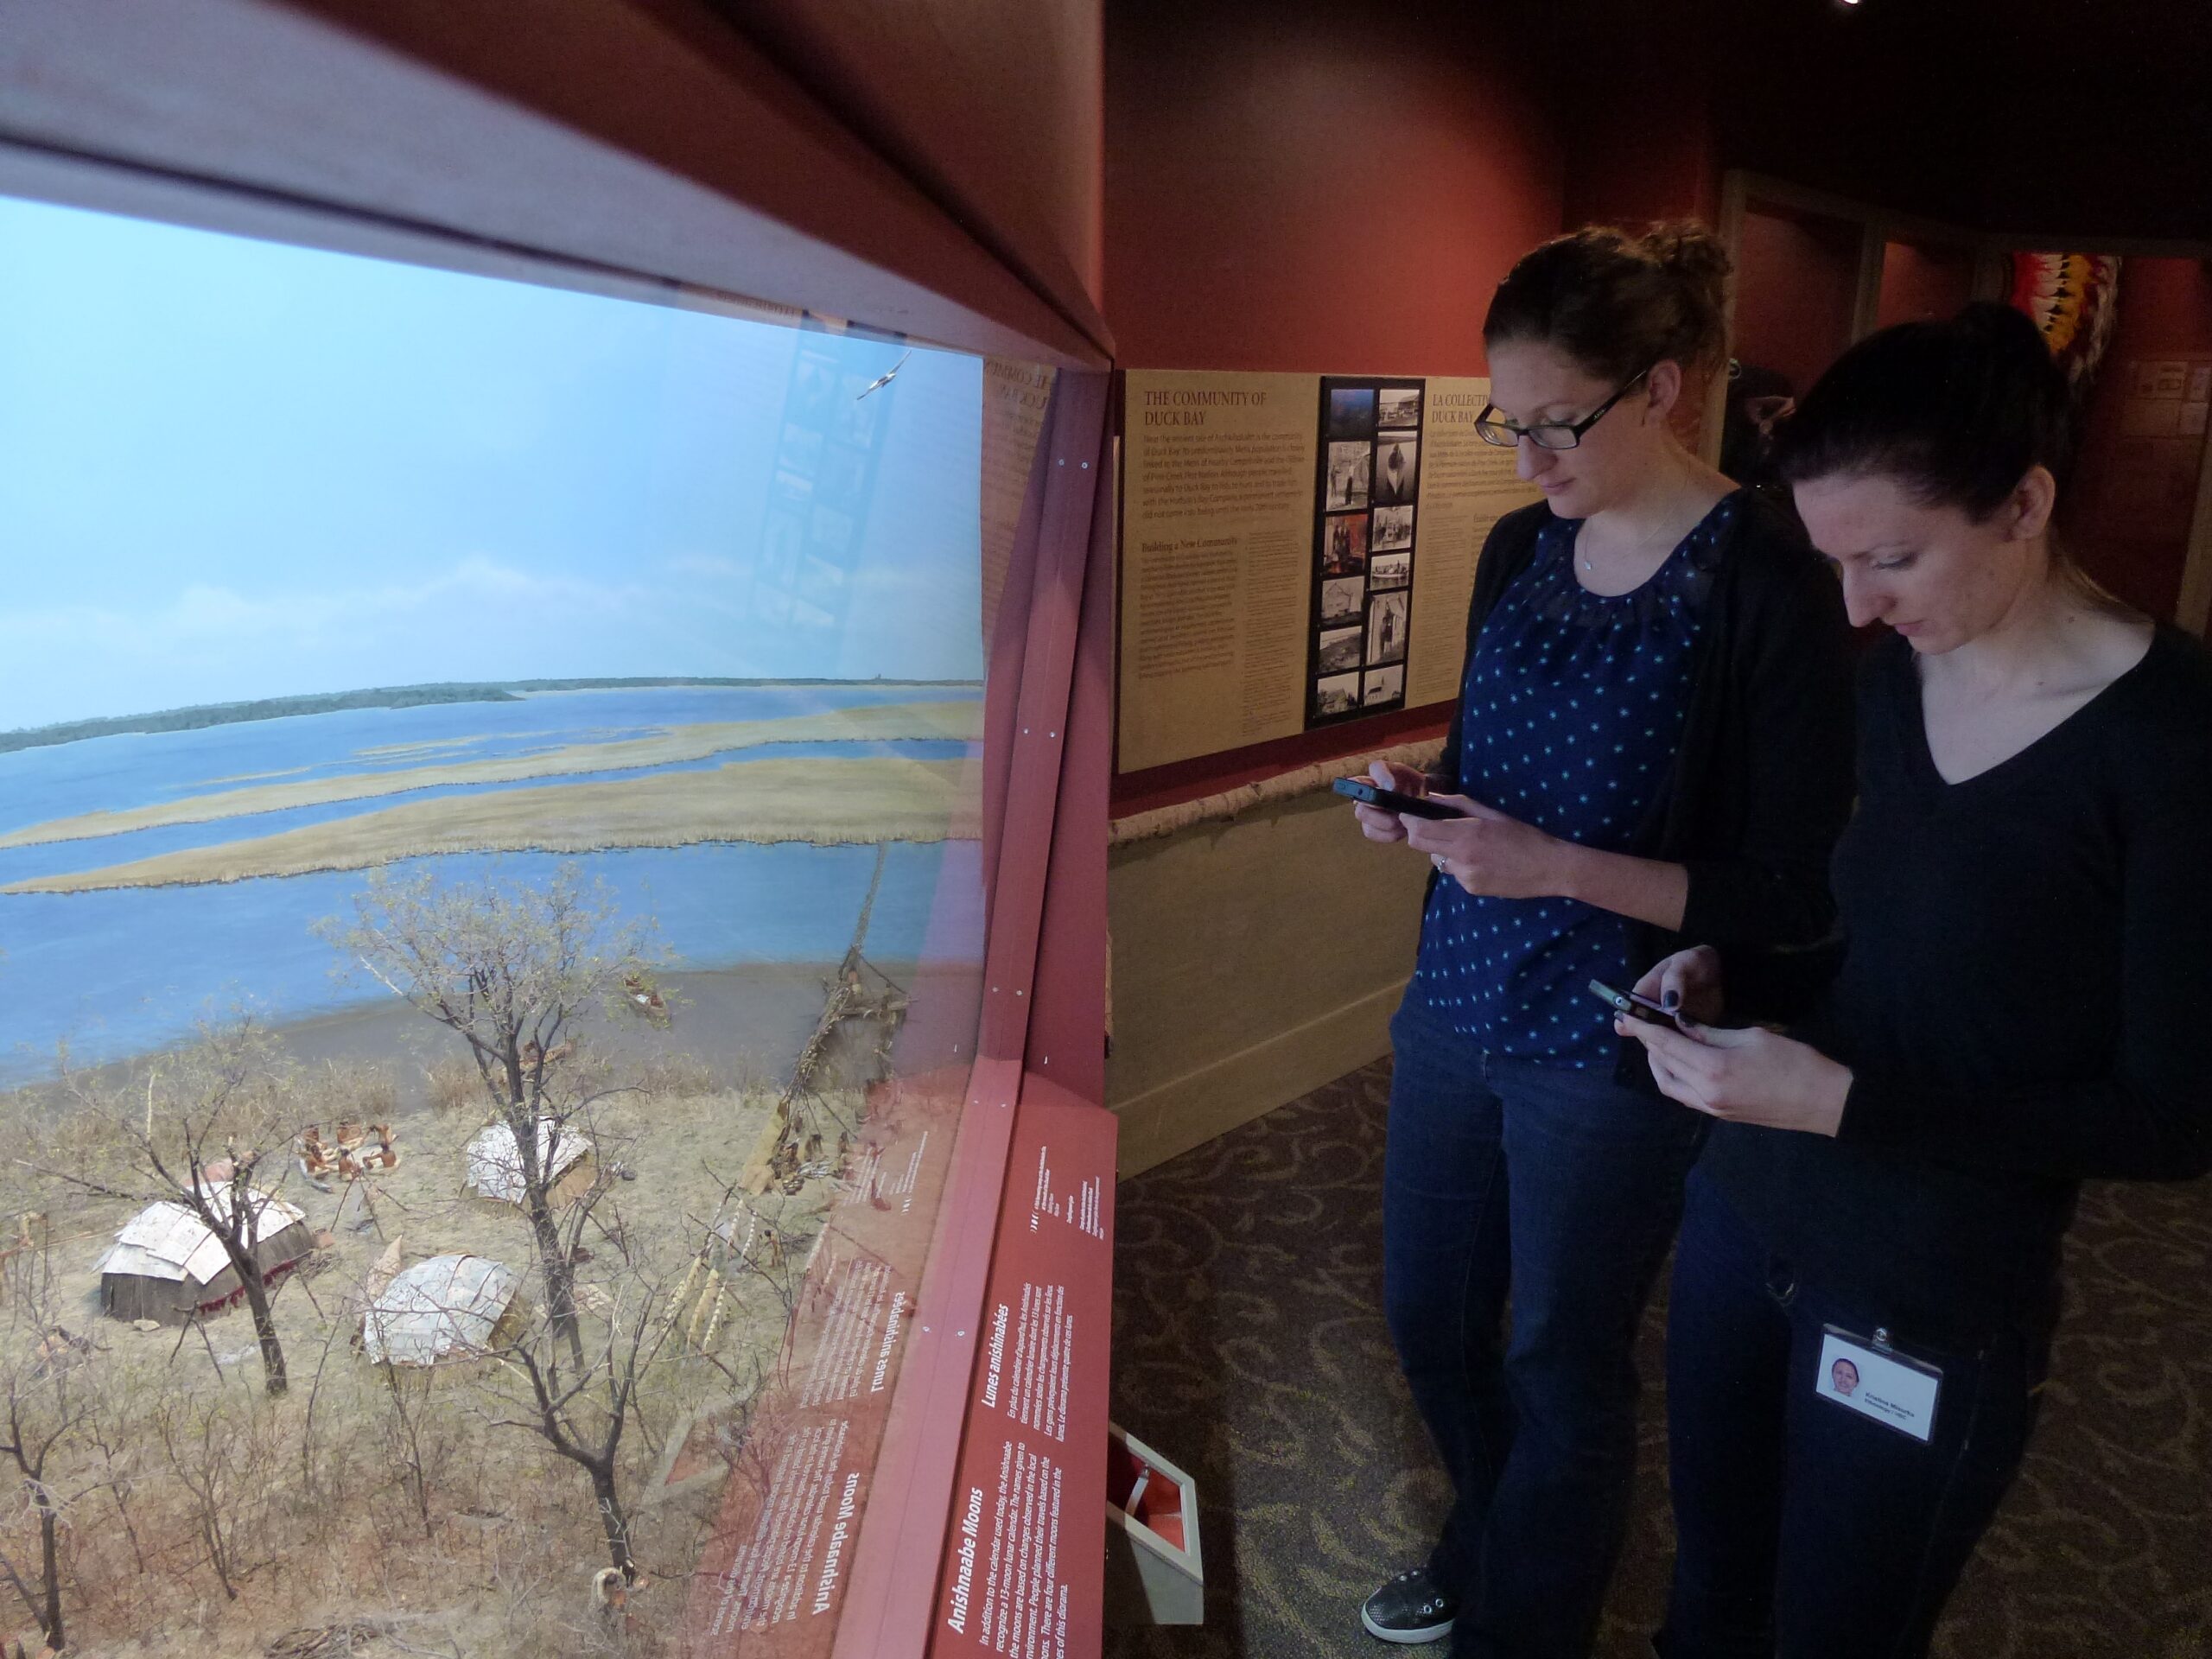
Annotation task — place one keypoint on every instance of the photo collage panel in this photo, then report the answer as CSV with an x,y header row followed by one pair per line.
x,y
1366,497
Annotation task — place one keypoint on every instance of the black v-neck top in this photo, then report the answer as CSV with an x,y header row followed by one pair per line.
x,y
2026,1000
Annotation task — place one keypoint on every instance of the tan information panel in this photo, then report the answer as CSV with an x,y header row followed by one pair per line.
x,y
1467,485
1216,542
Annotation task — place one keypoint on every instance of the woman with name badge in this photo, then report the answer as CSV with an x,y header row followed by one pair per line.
x,y
1652,742
1867,1275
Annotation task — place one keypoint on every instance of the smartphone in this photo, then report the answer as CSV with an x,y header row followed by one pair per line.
x,y
1365,789
1628,1003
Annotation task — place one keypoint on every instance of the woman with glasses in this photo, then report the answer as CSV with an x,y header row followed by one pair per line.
x,y
1652,743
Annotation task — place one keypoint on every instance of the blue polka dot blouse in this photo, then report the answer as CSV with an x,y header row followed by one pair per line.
x,y
1574,704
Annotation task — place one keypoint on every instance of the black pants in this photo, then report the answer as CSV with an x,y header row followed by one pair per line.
x,y
1561,1185
1803,1528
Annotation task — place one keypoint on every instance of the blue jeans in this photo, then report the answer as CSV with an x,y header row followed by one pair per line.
x,y
1564,1186
1804,1529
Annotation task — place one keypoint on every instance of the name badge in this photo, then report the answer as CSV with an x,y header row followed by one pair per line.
x,y
1867,1375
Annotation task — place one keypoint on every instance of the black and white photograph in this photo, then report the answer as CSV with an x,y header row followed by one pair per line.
x,y
855,421
779,543
1396,456
1352,411
1390,570
1385,685
1349,466
802,450
833,532
1393,529
1340,649
1338,694
1386,629
844,474
1400,405
1343,544
814,388
823,584
1342,598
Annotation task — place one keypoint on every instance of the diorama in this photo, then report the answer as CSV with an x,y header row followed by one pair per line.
x,y
489,812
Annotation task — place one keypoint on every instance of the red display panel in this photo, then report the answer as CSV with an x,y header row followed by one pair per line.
x,y
1023,1566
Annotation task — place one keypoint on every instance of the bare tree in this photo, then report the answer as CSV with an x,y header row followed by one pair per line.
x,y
584,1418
511,969
222,1455
406,1450
216,1118
42,1408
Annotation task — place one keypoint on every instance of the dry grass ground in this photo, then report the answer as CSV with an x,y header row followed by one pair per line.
x,y
961,720
865,800
205,1518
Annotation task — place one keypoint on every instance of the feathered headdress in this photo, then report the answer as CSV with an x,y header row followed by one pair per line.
x,y
2072,298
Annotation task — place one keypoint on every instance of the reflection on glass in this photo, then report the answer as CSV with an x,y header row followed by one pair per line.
x,y
485,769
525,571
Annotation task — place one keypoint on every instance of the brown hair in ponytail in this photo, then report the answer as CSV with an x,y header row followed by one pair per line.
x,y
1618,303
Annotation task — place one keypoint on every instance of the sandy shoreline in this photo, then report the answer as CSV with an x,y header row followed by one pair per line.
x,y
874,722
825,802
746,1022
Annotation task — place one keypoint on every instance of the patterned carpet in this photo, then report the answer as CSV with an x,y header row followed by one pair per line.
x,y
1248,1346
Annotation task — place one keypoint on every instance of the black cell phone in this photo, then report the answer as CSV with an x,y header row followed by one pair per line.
x,y
1628,1003
1363,789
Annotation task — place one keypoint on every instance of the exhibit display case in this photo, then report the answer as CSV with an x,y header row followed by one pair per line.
x,y
551,892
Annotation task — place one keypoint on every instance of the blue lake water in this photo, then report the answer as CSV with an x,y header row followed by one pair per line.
x,y
123,972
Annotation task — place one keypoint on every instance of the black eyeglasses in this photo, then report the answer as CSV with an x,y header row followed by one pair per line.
x,y
1547,435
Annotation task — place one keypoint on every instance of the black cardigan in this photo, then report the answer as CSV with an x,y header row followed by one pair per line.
x,y
1762,784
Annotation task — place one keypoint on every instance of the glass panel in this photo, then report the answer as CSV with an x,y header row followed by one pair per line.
x,y
429,704
531,578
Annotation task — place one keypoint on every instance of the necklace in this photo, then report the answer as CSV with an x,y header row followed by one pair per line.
x,y
1640,547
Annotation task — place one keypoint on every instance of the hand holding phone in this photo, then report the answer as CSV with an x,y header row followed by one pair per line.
x,y
1390,800
1635,1007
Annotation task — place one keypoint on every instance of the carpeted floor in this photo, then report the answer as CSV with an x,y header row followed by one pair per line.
x,y
1249,1347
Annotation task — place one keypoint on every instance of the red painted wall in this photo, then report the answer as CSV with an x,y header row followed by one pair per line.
x,y
996,105
1923,283
1309,185
2135,482
1795,286
1638,129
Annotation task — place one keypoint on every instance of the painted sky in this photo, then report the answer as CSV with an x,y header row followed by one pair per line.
x,y
234,469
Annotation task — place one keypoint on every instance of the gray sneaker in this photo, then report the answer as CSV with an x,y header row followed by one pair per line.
x,y
1410,1609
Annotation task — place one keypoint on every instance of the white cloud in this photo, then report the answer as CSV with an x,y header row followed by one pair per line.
x,y
478,619
703,564
481,618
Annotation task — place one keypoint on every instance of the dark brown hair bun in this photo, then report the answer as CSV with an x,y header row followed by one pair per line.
x,y
1618,303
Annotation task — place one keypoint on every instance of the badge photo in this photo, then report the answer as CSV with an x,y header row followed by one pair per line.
x,y
1868,1375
